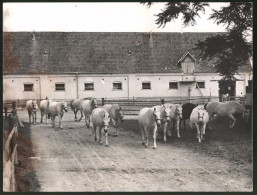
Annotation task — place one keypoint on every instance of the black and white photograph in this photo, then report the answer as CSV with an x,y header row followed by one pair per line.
x,y
127,97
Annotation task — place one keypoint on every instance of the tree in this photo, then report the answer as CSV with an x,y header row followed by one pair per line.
x,y
229,51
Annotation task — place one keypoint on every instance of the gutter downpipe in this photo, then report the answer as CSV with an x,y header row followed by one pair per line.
x,y
128,86
77,84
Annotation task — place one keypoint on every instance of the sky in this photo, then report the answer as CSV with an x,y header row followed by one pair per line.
x,y
97,17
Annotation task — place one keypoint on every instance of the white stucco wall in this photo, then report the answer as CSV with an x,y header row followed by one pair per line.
x,y
44,85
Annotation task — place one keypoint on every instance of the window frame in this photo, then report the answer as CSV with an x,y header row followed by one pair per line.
x,y
116,89
60,83
197,83
173,88
28,84
89,82
146,82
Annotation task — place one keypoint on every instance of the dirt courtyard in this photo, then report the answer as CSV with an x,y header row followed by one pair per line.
x,y
70,160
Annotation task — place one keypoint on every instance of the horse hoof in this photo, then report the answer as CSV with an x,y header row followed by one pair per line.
x,y
165,140
115,135
154,147
95,139
100,143
145,146
107,145
143,143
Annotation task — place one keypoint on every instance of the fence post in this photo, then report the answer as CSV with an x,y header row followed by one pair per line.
x,y
102,101
163,101
189,94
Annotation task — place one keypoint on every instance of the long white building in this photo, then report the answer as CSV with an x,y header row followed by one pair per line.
x,y
67,65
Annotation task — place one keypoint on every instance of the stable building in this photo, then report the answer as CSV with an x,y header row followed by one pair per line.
x,y
69,65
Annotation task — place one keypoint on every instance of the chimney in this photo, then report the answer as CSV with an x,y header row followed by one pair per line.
x,y
151,40
34,36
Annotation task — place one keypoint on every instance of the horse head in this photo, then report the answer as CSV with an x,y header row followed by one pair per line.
x,y
106,121
65,106
178,111
201,113
121,115
167,112
34,104
157,117
94,102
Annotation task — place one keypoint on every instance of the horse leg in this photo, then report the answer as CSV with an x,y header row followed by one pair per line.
x,y
233,121
198,132
42,115
203,128
100,135
114,123
60,121
75,114
81,115
106,137
177,127
170,127
165,131
94,132
35,118
143,135
154,137
146,134
46,113
53,121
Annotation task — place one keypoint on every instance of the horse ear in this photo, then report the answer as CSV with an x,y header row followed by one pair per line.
x,y
163,106
154,109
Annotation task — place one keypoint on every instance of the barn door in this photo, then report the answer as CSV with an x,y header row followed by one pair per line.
x,y
227,87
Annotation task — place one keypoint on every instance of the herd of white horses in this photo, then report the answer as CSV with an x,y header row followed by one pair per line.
x,y
166,116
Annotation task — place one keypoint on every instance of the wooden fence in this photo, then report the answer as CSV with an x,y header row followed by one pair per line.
x,y
132,105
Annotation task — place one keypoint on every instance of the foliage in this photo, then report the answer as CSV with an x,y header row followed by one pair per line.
x,y
229,50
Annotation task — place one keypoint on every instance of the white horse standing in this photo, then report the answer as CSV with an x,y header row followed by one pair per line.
x,y
56,109
87,106
44,108
165,116
198,119
175,117
149,118
32,107
116,114
100,119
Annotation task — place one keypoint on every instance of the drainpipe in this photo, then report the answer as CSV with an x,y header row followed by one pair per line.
x,y
128,85
39,80
77,85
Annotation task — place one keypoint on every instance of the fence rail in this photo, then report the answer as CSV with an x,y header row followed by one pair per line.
x,y
132,105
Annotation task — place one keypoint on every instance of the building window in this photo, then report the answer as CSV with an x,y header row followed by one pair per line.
x,y
173,85
117,86
59,86
89,86
201,84
28,87
146,85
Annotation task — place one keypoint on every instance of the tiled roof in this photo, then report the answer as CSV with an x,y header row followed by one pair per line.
x,y
105,52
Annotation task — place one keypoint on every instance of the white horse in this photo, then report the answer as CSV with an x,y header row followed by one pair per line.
x,y
149,118
198,119
100,119
165,116
87,106
116,114
175,117
56,109
32,107
44,108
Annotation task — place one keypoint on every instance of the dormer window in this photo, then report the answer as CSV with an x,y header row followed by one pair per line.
x,y
187,63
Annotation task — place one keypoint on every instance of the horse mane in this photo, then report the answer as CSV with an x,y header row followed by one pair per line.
x,y
92,101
